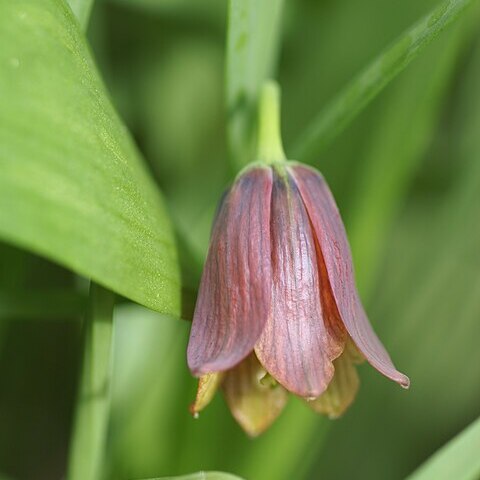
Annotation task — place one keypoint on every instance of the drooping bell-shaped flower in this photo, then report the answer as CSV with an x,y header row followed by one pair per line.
x,y
278,310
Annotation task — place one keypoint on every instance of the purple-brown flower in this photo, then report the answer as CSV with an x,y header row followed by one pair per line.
x,y
277,308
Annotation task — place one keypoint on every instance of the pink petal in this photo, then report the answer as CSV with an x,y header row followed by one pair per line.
x,y
235,291
296,347
330,232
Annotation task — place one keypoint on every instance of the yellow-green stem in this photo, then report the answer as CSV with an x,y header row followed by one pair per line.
x,y
270,148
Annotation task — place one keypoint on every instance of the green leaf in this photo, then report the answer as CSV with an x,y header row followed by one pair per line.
x,y
458,459
81,9
93,403
373,79
73,187
252,47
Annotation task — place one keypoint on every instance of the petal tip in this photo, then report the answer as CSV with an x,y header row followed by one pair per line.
x,y
404,382
398,377
194,412
207,386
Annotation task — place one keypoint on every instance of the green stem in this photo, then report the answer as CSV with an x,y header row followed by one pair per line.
x,y
270,148
93,403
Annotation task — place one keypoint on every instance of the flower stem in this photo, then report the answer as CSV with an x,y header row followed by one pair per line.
x,y
270,148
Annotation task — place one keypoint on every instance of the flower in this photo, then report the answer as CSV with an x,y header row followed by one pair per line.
x,y
278,310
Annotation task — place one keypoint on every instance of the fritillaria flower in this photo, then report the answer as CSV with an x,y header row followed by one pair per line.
x,y
278,310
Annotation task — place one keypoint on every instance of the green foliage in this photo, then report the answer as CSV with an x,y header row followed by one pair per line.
x,y
374,78
73,185
458,459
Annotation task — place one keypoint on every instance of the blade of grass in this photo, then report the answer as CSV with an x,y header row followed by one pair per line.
x,y
252,48
82,10
373,79
93,403
458,459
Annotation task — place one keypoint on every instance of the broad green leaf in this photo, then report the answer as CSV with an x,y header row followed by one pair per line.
x,y
81,9
73,187
252,47
373,79
204,476
458,459
93,403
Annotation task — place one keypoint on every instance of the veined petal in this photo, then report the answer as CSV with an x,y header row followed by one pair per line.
x,y
298,344
343,388
207,386
235,291
253,403
333,242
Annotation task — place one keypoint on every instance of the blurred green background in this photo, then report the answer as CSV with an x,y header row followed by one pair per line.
x,y
406,176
